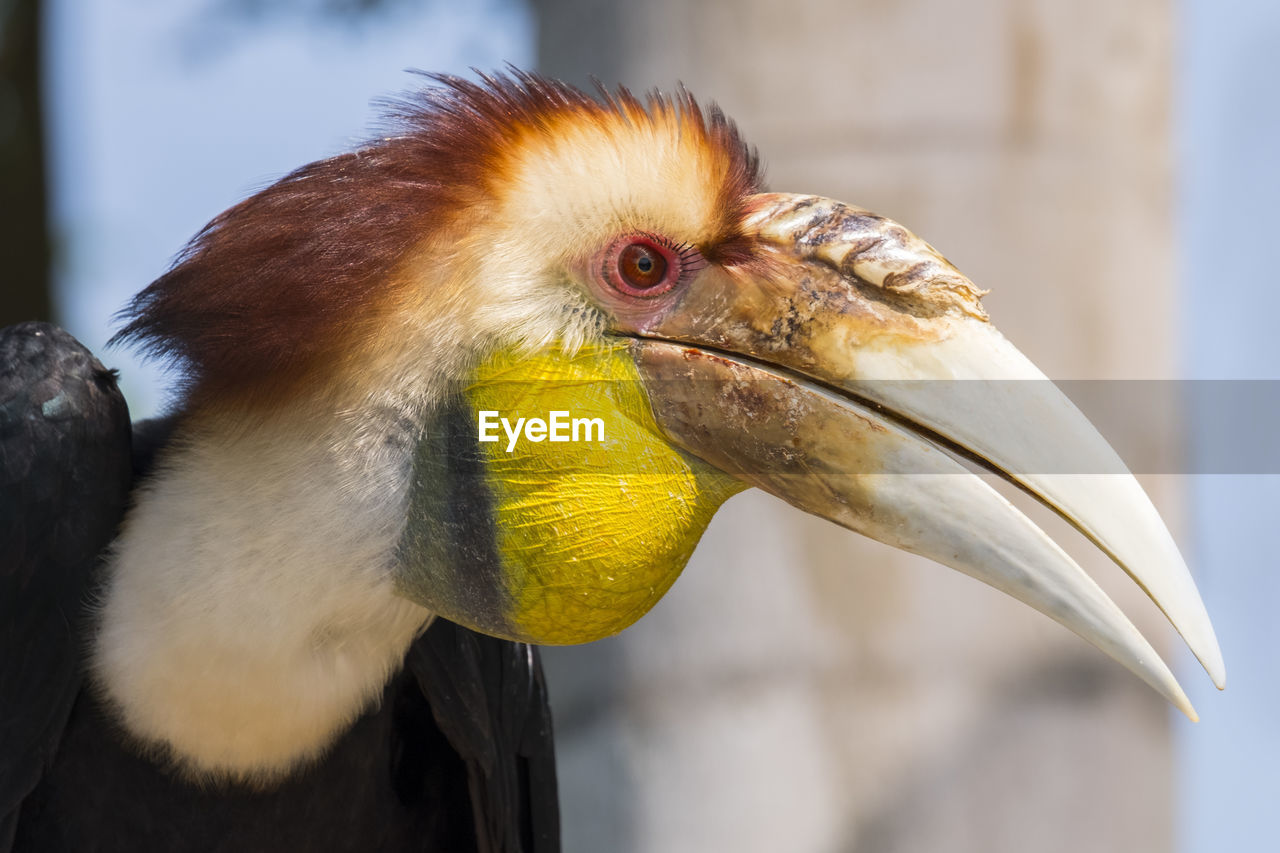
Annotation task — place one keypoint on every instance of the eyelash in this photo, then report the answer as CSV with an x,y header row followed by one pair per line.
x,y
691,260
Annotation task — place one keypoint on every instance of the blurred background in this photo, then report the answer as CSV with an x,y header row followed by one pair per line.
x,y
1108,169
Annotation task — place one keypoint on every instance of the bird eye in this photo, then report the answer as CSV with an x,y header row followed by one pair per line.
x,y
643,266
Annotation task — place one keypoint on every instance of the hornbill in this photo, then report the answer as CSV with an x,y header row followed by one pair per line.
x,y
313,626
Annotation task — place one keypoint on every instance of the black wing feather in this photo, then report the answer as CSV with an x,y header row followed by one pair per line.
x,y
489,699
64,481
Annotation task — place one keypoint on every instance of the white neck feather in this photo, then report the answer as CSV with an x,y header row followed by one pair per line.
x,y
250,614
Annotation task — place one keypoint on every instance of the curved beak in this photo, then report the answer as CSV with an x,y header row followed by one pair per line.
x,y
850,369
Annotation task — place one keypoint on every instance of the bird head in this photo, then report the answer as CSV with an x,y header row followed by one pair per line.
x,y
576,325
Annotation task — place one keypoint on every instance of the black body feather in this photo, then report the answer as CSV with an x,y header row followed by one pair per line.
x,y
457,756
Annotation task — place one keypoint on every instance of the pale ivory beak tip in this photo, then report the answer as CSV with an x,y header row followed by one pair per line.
x,y
1209,654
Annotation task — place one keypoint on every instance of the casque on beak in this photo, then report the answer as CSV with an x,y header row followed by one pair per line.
x,y
848,368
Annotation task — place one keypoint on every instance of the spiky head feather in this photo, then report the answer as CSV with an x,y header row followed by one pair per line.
x,y
476,187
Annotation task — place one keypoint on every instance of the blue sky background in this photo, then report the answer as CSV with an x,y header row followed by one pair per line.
x,y
1228,136
164,114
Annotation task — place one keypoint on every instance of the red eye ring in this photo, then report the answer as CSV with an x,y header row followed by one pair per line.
x,y
642,266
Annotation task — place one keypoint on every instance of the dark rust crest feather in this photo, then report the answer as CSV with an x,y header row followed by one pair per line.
x,y
273,288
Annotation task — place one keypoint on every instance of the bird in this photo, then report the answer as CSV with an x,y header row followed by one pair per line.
x,y
476,386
